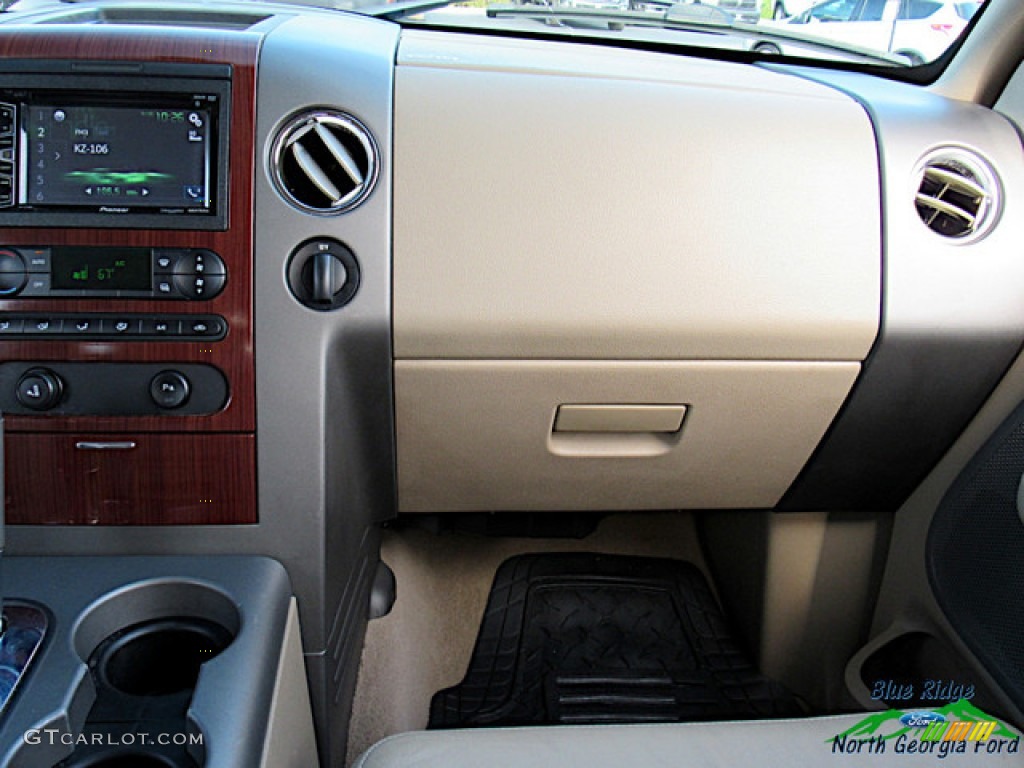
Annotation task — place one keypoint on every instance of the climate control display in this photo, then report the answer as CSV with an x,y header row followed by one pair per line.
x,y
101,269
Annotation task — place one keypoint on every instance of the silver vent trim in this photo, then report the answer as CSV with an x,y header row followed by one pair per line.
x,y
958,194
324,162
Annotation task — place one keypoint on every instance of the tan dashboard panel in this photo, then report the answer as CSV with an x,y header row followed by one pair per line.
x,y
552,215
480,435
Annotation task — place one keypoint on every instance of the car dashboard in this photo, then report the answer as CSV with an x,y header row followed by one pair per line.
x,y
415,272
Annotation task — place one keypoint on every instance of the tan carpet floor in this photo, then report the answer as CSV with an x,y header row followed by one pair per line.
x,y
425,643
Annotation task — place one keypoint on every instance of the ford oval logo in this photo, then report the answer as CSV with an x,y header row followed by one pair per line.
x,y
921,719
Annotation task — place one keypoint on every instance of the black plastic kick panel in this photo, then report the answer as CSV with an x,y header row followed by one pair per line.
x,y
974,550
913,399
111,389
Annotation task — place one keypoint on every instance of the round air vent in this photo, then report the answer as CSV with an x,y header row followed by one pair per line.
x,y
325,162
958,194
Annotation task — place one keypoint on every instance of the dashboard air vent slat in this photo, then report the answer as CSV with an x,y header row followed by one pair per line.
x,y
954,181
340,154
315,173
324,162
958,195
938,206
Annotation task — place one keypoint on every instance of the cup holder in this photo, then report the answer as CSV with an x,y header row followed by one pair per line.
x,y
160,657
145,646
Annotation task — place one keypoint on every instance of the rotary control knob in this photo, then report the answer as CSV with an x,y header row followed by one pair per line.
x,y
40,389
323,274
13,273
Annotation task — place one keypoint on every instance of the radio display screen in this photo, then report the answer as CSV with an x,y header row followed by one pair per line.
x,y
120,158
101,269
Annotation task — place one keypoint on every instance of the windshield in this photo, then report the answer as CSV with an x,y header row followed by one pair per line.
x,y
896,33
893,34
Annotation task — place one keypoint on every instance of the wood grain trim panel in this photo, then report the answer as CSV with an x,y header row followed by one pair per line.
x,y
138,479
205,471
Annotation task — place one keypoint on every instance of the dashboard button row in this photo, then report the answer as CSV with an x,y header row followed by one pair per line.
x,y
173,328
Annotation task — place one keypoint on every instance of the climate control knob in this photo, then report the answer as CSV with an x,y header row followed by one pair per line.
x,y
13,273
40,389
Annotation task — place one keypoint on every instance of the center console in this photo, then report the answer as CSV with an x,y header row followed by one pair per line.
x,y
130,353
174,662
128,389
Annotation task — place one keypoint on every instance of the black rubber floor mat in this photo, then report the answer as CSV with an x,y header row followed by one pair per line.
x,y
583,638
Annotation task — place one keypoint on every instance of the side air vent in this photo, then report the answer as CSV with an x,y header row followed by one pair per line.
x,y
958,195
325,162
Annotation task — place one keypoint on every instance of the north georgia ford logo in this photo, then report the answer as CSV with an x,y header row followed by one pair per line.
x,y
921,719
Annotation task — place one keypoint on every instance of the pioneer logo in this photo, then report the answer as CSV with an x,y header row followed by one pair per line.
x,y
108,209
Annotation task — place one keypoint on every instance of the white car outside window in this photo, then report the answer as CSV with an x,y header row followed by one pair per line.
x,y
920,30
783,9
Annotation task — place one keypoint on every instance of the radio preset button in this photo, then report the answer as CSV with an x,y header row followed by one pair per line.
x,y
6,118
6,190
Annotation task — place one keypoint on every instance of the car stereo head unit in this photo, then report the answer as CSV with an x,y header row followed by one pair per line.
x,y
138,152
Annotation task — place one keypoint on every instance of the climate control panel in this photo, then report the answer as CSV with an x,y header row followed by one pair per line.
x,y
87,272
